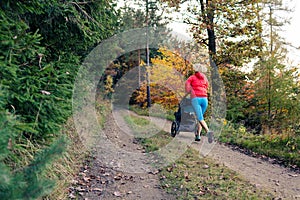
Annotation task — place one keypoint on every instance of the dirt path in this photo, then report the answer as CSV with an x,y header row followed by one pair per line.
x,y
124,171
120,170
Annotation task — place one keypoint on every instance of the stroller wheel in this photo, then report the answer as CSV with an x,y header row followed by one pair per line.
x,y
174,129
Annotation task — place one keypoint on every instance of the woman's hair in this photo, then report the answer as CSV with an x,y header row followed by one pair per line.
x,y
200,67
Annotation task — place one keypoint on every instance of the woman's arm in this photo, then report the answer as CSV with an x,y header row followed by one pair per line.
x,y
188,87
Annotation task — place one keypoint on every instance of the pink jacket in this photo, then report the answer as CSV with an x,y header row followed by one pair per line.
x,y
197,85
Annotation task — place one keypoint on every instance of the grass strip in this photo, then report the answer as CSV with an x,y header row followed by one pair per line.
x,y
154,112
194,178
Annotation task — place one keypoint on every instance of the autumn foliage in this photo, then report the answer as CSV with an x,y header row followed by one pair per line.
x,y
167,77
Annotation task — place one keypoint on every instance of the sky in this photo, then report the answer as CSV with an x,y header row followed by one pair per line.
x,y
293,30
292,33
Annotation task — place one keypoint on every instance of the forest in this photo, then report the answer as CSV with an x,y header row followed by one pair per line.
x,y
43,46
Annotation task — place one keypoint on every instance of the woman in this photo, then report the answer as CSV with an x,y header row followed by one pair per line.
x,y
197,85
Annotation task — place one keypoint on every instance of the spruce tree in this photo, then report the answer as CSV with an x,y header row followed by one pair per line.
x,y
39,58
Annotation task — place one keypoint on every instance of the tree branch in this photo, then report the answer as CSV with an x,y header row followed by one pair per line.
x,y
84,12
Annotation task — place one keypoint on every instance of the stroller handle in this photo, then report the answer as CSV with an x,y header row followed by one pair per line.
x,y
183,97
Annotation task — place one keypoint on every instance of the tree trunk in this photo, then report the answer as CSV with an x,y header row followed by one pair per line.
x,y
208,19
210,28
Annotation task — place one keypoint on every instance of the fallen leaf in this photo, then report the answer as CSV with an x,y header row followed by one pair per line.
x,y
82,174
80,193
97,189
186,175
117,178
92,177
117,193
154,172
128,177
72,196
86,179
169,169
205,166
293,175
123,183
257,185
80,182
102,170
79,189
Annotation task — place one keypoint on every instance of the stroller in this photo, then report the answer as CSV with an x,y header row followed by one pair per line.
x,y
185,118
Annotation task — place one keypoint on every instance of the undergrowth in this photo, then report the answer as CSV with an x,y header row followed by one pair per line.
x,y
64,169
285,146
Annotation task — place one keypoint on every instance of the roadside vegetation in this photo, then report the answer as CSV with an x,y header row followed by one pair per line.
x,y
285,147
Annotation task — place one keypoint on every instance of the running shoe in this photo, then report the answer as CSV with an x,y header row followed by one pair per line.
x,y
197,138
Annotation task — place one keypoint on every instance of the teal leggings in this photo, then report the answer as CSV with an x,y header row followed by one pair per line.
x,y
200,105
